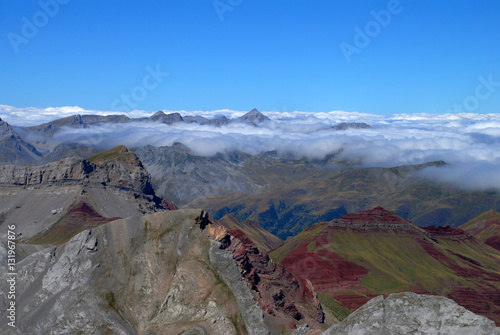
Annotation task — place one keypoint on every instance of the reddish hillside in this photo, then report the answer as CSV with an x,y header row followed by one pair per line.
x,y
361,255
80,216
486,228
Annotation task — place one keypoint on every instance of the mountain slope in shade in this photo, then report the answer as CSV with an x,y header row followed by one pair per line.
x,y
263,239
13,149
182,177
486,228
294,194
362,255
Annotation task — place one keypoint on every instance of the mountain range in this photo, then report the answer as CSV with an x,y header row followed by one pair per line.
x,y
262,243
159,270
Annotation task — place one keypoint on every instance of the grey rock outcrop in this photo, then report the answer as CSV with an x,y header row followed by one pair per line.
x,y
127,174
410,313
159,274
35,197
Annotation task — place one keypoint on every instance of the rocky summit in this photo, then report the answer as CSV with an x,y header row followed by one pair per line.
x,y
172,272
112,184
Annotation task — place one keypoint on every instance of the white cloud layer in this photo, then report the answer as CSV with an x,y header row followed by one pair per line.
x,y
469,142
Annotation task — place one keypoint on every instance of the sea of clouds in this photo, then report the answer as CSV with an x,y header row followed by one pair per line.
x,y
468,142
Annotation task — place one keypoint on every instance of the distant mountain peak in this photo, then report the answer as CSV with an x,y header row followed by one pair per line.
x,y
253,117
375,216
352,125
159,113
166,118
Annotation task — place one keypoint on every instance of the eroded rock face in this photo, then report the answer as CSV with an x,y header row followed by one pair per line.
x,y
277,290
159,274
410,313
34,198
126,172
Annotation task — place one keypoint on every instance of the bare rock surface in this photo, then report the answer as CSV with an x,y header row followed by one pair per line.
x,y
410,313
159,274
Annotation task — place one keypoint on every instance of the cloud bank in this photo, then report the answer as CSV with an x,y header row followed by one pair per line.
x,y
469,142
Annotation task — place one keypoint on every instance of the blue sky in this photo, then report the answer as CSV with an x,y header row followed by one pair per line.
x,y
276,55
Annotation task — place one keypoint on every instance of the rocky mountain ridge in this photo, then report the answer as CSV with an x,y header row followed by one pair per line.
x,y
167,272
127,173
112,184
361,255
253,117
277,290
14,149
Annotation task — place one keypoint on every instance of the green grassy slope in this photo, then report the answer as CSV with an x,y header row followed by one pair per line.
x,y
352,265
486,228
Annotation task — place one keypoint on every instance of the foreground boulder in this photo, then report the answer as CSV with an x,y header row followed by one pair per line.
x,y
410,313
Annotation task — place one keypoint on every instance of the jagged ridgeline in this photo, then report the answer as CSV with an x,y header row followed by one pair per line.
x,y
51,203
283,193
263,243
99,253
163,273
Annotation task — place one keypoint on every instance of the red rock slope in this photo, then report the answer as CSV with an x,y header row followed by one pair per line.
x,y
279,293
361,255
